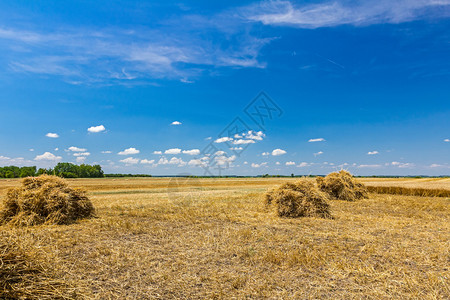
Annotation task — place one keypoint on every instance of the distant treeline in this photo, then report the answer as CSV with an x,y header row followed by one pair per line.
x,y
127,175
66,170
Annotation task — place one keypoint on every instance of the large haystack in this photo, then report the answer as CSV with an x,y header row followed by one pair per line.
x,y
299,199
341,185
44,200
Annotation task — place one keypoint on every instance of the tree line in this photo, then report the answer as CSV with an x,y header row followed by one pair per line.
x,y
66,170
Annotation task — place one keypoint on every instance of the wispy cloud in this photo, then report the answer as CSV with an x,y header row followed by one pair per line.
x,y
316,140
372,152
335,13
175,123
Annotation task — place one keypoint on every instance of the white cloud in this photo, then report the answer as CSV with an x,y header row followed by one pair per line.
x,y
130,161
369,166
175,123
224,160
157,152
177,161
243,142
77,154
81,159
278,152
31,150
95,129
255,135
56,149
372,152
76,149
197,163
402,165
52,135
106,152
236,148
129,151
191,152
447,140
147,162
48,156
173,151
316,140
265,153
303,164
208,138
253,165
277,163
318,153
223,140
290,163
330,14
163,161
436,166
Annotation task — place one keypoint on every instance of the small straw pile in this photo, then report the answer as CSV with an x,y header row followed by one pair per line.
x,y
342,186
299,199
44,200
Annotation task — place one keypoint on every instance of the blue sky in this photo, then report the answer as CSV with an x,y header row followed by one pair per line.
x,y
145,87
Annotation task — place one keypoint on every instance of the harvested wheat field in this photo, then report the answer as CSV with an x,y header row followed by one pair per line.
x,y
216,239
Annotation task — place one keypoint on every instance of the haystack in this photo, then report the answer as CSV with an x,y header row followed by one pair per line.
x,y
45,200
299,199
343,186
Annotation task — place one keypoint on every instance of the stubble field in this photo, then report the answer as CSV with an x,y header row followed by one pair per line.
x,y
214,238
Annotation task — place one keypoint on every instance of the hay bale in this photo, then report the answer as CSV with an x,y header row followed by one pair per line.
x,y
44,200
342,186
299,199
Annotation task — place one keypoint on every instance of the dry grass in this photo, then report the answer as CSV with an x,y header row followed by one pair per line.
x,y
299,199
342,186
225,244
44,200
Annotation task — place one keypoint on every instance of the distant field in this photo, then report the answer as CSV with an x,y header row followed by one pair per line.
x,y
213,238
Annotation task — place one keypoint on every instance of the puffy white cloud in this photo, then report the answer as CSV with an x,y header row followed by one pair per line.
x,y
129,151
163,161
303,164
223,139
52,135
372,152
290,163
447,140
81,159
316,140
173,151
191,152
56,149
243,142
277,163
224,160
318,153
157,152
48,156
220,152
106,152
265,153
31,150
177,161
76,149
197,163
175,123
130,161
95,129
253,135
278,152
78,154
259,165
147,162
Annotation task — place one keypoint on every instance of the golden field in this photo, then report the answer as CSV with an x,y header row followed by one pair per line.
x,y
214,238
